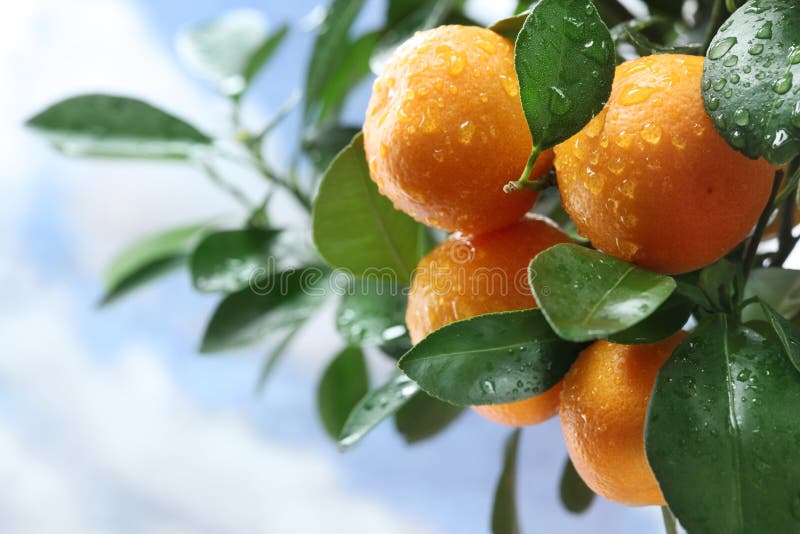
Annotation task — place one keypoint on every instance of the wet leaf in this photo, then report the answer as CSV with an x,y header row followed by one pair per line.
x,y
424,417
344,383
505,519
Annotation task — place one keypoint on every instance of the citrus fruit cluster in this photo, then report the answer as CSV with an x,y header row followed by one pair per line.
x,y
648,180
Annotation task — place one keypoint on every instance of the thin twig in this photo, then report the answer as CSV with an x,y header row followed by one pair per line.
x,y
234,192
758,233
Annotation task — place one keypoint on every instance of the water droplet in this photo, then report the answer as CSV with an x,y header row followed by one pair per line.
x,y
624,139
635,94
743,376
731,60
741,117
438,155
384,150
796,115
783,84
721,47
735,78
559,102
488,387
765,32
509,85
457,64
781,136
794,55
678,141
720,84
713,104
706,85
651,133
756,49
486,46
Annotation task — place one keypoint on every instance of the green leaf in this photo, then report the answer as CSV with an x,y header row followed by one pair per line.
x,y
372,312
787,333
780,288
490,359
723,284
116,126
376,406
228,261
721,432
575,494
585,294
230,50
667,7
670,317
565,59
148,259
327,55
282,300
324,144
343,384
275,353
750,80
356,228
505,519
424,417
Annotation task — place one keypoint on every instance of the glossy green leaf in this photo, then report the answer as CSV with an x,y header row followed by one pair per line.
x,y
575,494
751,79
505,519
149,258
116,126
376,406
228,261
787,333
324,144
585,294
356,228
424,417
344,383
490,359
565,61
723,284
661,324
372,312
282,300
275,353
721,432
327,55
780,288
230,50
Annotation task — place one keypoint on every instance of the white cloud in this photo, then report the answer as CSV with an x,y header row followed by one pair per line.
x,y
111,445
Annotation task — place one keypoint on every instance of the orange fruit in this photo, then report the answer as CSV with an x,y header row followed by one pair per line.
x,y
445,130
603,407
650,180
465,276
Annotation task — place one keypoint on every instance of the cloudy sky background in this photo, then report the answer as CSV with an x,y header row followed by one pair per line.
x,y
109,420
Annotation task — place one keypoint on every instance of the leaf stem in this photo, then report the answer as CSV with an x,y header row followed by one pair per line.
x,y
752,245
524,181
786,241
234,192
670,523
793,172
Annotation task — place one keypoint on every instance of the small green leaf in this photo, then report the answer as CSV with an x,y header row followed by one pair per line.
x,y
510,27
372,312
585,294
275,353
376,406
281,300
564,58
490,359
356,228
149,258
230,50
424,417
788,334
721,432
505,519
750,80
670,317
780,288
228,261
343,384
723,284
116,126
575,494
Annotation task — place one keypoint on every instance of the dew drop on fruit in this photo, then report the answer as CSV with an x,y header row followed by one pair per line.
x,y
457,64
721,47
678,141
651,133
624,139
635,95
509,85
486,46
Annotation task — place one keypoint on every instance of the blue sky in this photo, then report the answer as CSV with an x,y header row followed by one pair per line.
x,y
109,420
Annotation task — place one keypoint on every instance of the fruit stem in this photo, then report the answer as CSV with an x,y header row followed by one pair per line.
x,y
752,245
670,523
524,181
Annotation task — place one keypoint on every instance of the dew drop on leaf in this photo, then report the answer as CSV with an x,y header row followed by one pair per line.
x,y
721,47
